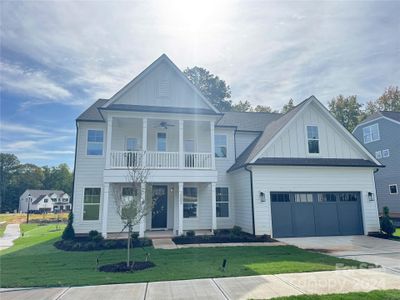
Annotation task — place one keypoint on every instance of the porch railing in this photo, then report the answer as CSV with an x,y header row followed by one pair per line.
x,y
126,159
162,160
198,160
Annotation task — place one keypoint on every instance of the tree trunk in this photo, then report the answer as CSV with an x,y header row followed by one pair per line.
x,y
129,245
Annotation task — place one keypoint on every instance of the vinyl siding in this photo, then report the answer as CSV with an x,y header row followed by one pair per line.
x,y
312,179
243,139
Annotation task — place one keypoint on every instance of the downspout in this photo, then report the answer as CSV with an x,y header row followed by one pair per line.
x,y
252,199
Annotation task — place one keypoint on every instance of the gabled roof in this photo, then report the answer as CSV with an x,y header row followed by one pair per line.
x,y
37,193
249,156
247,121
37,200
389,115
168,61
92,114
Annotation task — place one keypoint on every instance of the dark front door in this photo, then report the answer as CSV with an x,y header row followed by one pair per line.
x,y
159,213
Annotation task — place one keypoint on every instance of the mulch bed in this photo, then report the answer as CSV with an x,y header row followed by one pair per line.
x,y
87,244
122,267
384,236
205,239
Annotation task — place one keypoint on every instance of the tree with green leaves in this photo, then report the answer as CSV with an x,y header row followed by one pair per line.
x,y
58,178
211,86
263,108
288,106
242,106
347,110
9,164
389,101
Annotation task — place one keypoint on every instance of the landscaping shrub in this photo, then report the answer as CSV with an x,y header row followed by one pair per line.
x,y
135,236
95,236
190,233
89,244
221,238
69,232
236,230
387,225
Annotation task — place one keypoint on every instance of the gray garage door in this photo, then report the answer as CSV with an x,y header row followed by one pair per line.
x,y
316,214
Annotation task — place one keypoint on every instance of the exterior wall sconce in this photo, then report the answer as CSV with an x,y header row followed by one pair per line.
x,y
262,197
371,196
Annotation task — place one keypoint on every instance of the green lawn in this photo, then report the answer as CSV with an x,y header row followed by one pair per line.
x,y
397,232
2,229
374,295
33,261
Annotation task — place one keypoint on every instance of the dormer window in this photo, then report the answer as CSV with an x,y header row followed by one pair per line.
x,y
371,133
313,139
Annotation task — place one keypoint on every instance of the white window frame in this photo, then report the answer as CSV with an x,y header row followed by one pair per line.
x,y
385,151
378,154
191,202
87,143
137,143
166,141
397,189
370,135
226,145
228,202
83,204
308,139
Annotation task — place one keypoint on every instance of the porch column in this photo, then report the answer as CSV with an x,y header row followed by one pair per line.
x,y
144,141
180,208
213,206
212,131
142,225
105,210
108,146
181,155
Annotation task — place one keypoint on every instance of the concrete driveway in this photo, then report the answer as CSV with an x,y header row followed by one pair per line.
x,y
385,253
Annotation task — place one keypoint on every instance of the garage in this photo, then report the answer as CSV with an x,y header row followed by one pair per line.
x,y
299,214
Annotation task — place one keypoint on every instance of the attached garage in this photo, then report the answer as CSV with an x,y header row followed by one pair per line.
x,y
316,213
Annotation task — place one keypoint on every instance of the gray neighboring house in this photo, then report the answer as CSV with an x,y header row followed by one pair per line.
x,y
380,134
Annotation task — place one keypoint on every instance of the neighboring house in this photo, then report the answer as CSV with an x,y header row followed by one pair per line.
x,y
44,201
380,134
297,174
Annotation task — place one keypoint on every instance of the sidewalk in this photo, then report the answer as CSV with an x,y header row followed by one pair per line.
x,y
11,233
263,286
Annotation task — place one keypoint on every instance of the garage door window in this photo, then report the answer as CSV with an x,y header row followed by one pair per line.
x,y
348,197
280,197
326,197
306,198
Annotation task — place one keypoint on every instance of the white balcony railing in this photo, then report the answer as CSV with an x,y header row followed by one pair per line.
x,y
198,160
159,160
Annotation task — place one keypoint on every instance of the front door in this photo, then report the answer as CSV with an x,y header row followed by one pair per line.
x,y
159,213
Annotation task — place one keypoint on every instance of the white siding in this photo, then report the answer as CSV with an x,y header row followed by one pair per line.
x,y
241,191
310,179
203,220
292,142
222,165
243,140
88,173
178,92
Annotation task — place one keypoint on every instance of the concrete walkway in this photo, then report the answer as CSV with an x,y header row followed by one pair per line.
x,y
11,233
264,287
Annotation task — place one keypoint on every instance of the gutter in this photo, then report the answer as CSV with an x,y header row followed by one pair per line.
x,y
252,199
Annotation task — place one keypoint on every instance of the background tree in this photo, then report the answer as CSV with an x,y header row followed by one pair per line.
x,y
263,108
58,178
242,106
288,106
129,203
212,87
389,101
8,167
347,111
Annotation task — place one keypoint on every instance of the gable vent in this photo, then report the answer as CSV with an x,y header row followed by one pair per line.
x,y
163,88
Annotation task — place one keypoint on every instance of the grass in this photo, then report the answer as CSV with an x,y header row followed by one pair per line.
x,y
34,261
374,295
2,229
21,218
397,232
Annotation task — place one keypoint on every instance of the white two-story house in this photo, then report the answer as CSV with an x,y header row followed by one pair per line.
x,y
297,174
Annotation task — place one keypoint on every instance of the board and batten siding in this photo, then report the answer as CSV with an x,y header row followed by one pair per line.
x,y
292,141
243,139
241,189
88,173
312,179
222,164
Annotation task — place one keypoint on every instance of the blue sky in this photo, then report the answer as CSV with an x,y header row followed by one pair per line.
x,y
58,58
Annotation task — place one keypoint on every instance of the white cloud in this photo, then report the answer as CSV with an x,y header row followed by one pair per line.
x,y
21,129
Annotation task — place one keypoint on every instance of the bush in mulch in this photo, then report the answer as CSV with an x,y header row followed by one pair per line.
x,y
122,267
234,235
382,235
95,243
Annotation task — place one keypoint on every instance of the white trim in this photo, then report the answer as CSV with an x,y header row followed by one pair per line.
x,y
229,202
137,142
387,151
100,203
373,120
397,189
86,142
370,128
226,146
197,201
166,141
308,153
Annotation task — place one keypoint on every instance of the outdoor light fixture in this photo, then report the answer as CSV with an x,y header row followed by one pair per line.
x,y
262,196
371,196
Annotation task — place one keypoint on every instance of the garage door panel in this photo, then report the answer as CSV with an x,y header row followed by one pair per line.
x,y
350,220
303,219
326,219
282,220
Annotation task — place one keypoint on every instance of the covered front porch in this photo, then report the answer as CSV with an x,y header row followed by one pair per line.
x,y
177,207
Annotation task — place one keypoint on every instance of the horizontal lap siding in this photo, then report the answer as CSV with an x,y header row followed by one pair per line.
x,y
88,173
312,179
203,220
242,199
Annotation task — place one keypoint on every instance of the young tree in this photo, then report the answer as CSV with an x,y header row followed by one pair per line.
x,y
130,203
288,106
212,87
346,110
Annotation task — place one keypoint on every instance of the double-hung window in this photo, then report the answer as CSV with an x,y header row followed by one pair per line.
x,y
371,133
393,189
312,139
222,202
128,205
95,142
161,141
385,153
91,204
189,202
220,146
132,144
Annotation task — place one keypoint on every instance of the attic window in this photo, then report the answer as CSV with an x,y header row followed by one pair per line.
x,y
163,88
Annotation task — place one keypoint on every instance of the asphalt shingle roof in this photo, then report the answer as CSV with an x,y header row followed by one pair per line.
x,y
247,121
92,113
394,115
